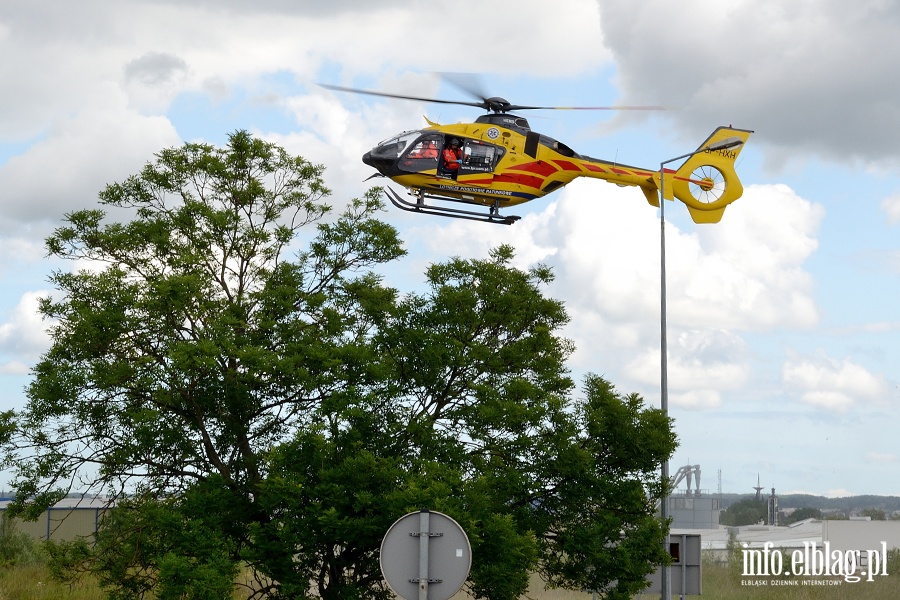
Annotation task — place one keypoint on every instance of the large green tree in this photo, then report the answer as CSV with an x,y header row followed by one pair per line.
x,y
229,366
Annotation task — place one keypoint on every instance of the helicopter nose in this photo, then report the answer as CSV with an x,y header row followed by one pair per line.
x,y
380,163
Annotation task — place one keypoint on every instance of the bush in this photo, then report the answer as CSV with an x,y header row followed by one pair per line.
x,y
893,561
17,547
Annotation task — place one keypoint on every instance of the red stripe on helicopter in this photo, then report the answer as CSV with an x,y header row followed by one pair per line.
x,y
567,166
540,168
621,171
591,167
530,181
634,173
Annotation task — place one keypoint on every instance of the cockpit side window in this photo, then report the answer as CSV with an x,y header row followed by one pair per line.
x,y
422,154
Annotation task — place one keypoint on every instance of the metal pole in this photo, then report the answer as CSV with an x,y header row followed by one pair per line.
x,y
666,579
666,582
424,531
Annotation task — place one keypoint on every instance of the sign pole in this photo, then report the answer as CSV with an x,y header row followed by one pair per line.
x,y
424,535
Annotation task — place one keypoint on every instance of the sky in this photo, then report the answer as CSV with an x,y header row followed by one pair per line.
x,y
783,326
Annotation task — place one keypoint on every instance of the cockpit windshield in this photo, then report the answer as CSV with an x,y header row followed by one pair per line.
x,y
395,146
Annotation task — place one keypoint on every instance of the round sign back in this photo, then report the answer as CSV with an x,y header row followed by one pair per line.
x,y
425,556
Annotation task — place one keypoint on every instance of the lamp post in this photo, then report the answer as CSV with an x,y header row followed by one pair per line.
x,y
666,592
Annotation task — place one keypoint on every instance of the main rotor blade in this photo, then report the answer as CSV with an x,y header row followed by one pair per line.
x,y
400,96
595,107
517,107
496,104
468,83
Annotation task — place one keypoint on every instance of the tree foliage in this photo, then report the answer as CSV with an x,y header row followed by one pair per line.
x,y
874,514
231,368
748,511
807,512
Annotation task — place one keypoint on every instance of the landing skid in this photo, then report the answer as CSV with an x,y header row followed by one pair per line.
x,y
493,216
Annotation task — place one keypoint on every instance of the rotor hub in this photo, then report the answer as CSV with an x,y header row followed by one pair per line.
x,y
497,104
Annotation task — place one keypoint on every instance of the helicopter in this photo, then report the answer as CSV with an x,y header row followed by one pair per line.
x,y
501,162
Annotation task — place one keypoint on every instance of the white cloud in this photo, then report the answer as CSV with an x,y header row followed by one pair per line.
x,y
20,250
751,264
881,457
700,399
875,327
153,80
808,76
603,243
79,156
702,363
24,334
831,384
891,207
156,49
14,368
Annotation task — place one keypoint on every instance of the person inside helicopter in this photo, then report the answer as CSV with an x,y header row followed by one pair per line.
x,y
452,157
425,149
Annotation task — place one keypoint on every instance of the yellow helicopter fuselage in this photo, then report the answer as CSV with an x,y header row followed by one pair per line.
x,y
505,163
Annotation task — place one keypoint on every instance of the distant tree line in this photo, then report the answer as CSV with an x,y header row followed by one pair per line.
x,y
847,504
750,511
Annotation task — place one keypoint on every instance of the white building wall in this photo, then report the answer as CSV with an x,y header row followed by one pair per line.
x,y
861,535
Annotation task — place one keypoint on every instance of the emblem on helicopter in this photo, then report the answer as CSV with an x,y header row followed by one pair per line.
x,y
508,163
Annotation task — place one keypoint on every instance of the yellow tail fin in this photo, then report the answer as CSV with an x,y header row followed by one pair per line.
x,y
707,181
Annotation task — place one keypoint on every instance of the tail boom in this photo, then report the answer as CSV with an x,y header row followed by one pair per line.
x,y
706,183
